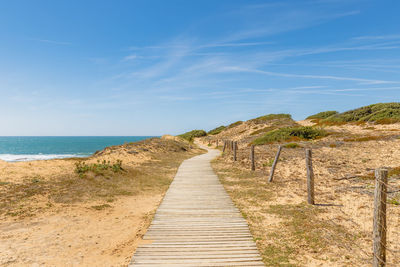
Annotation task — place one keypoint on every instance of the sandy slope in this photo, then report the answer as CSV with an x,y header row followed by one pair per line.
x,y
53,228
346,203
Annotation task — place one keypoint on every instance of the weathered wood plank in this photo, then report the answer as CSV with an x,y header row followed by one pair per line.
x,y
197,223
379,225
310,177
271,175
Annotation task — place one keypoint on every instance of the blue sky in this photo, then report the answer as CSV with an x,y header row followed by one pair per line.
x,y
155,67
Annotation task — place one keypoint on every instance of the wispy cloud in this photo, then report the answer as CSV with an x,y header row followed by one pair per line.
x,y
189,67
238,44
50,41
378,37
132,57
310,76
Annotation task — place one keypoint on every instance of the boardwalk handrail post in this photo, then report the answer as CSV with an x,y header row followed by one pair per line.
x,y
253,164
271,175
310,177
235,151
379,226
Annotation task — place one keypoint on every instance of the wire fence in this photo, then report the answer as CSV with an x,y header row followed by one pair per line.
x,y
380,244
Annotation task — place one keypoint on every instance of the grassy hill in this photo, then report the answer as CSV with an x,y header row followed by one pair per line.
x,y
189,136
381,113
253,128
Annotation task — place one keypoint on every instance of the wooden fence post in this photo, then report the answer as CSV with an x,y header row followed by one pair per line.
x,y
379,231
217,143
271,175
223,150
253,164
310,177
232,145
234,151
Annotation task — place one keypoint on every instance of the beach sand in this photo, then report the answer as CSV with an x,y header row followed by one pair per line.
x,y
48,217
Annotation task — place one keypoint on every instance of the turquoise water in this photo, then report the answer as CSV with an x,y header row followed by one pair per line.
x,y
25,148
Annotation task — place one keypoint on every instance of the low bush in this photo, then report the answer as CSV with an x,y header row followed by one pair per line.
x,y
232,125
363,138
322,115
383,113
189,136
290,133
270,117
292,145
216,130
98,168
263,130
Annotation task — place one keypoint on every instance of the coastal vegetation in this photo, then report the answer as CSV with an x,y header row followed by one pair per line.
x,y
280,229
289,134
99,168
322,115
101,177
292,145
216,130
189,136
381,113
270,117
233,125
281,222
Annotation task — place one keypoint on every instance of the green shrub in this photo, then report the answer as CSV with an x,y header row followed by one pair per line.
x,y
263,130
379,113
269,163
271,117
216,130
395,200
192,134
292,145
290,133
322,115
98,168
232,125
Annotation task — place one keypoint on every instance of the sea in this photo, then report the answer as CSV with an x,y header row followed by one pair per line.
x,y
27,148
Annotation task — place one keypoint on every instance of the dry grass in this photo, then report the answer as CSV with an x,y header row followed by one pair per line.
x,y
281,230
61,218
38,193
364,138
337,231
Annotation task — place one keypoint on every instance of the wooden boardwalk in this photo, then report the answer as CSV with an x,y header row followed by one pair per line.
x,y
197,224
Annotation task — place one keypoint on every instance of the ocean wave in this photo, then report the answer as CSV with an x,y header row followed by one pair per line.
x,y
17,158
